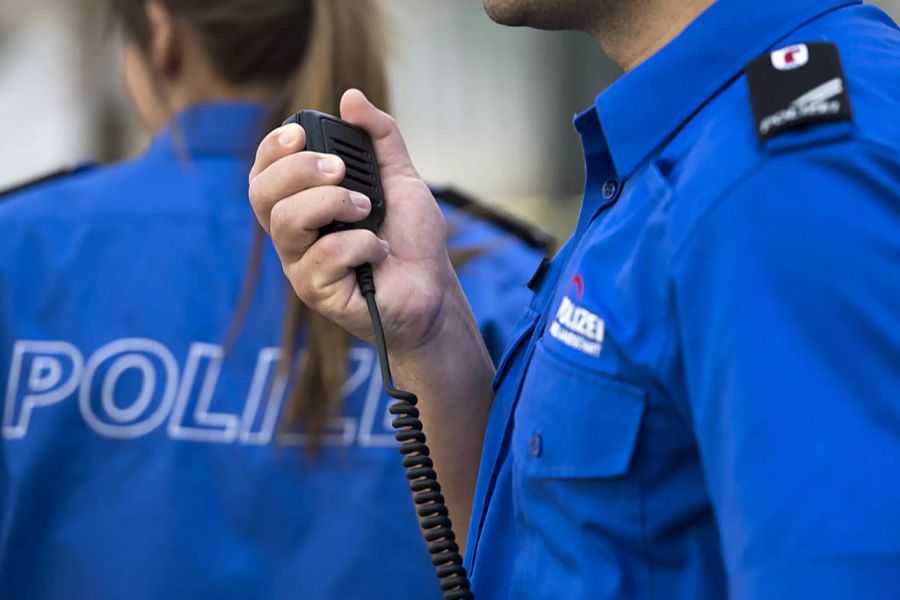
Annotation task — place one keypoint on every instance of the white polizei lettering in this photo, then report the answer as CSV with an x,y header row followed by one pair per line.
x,y
338,431
566,308
573,340
201,424
141,416
342,430
45,383
129,387
46,372
377,405
265,377
584,322
148,386
578,328
364,359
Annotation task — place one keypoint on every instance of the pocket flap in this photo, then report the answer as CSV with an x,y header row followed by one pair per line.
x,y
572,422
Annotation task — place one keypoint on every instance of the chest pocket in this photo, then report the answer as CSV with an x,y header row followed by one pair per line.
x,y
573,422
575,480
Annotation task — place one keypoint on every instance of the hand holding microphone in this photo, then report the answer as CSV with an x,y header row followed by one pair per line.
x,y
295,193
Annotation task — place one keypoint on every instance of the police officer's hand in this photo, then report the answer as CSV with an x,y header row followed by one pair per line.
x,y
295,192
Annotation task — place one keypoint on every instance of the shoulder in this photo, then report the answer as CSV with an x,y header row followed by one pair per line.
x,y
474,221
44,179
30,192
867,44
742,148
493,253
68,193
145,188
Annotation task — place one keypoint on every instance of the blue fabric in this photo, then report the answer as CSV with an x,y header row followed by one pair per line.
x,y
703,399
140,460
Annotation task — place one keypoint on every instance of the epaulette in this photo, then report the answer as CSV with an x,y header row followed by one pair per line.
x,y
19,187
530,234
797,86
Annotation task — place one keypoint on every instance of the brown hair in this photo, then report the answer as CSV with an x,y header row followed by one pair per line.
x,y
309,52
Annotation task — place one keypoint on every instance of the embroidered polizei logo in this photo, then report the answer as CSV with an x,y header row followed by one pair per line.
x,y
818,101
790,57
576,326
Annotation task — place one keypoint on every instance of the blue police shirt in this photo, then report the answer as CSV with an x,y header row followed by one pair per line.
x,y
703,398
141,459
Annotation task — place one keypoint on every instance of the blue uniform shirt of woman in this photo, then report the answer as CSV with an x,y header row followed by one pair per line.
x,y
140,458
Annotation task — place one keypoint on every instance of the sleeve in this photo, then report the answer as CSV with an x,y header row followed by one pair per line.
x,y
787,303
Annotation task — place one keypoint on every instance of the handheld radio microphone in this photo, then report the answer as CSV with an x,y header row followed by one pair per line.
x,y
330,135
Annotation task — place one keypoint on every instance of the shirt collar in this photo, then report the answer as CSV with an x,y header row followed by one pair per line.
x,y
648,104
222,128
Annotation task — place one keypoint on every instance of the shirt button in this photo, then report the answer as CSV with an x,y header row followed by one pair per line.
x,y
536,444
609,189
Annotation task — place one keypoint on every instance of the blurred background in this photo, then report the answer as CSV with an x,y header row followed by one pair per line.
x,y
484,108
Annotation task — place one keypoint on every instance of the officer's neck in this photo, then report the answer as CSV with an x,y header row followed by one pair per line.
x,y
631,31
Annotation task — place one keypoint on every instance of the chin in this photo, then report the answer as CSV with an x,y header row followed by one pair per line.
x,y
540,14
502,11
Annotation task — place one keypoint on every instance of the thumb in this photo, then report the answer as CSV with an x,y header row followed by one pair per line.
x,y
390,149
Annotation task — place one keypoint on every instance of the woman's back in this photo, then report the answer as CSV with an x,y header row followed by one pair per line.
x,y
143,459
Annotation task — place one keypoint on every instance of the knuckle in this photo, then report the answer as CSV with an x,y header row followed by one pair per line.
x,y
280,221
326,251
328,201
254,192
314,284
337,197
303,164
267,146
303,286
307,281
296,172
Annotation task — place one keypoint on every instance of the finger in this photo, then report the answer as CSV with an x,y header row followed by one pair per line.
x,y
290,175
295,221
331,259
393,157
280,142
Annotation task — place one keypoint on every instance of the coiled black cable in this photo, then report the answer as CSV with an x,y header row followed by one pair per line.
x,y
433,515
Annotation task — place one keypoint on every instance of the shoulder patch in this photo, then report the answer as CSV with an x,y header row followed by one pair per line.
x,y
530,234
41,179
797,85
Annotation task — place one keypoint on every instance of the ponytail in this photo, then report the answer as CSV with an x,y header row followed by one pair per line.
x,y
345,51
308,52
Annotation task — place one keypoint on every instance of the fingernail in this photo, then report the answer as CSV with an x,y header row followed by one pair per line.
x,y
288,137
360,200
386,246
330,165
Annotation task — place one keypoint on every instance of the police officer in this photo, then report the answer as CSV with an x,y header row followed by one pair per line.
x,y
703,398
143,455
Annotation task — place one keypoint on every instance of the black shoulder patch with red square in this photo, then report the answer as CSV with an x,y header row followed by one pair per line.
x,y
797,86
